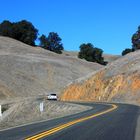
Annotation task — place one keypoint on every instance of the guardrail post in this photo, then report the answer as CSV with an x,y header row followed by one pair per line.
x,y
41,107
0,111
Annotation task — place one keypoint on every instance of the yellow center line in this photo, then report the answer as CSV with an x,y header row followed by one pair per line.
x,y
63,126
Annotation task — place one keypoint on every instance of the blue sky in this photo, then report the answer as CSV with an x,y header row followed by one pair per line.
x,y
107,24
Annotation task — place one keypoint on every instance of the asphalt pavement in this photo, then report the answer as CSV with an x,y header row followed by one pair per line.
x,y
119,124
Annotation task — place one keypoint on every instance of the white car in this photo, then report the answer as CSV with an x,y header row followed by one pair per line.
x,y
52,97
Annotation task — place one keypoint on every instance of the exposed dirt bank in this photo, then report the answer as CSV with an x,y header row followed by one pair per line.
x,y
119,82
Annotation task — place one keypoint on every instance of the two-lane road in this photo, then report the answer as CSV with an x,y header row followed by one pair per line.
x,y
102,122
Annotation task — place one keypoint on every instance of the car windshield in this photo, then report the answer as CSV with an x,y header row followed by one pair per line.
x,y
53,94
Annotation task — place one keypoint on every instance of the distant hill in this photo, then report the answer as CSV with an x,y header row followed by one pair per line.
x,y
31,71
107,57
110,58
73,54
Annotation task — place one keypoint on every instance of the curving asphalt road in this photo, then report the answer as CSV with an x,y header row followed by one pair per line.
x,y
118,124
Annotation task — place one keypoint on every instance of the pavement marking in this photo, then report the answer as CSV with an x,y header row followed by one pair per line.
x,y
63,126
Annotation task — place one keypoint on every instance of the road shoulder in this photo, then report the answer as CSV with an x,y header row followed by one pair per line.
x,y
138,128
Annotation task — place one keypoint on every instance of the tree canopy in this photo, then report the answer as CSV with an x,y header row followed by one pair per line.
x,y
135,43
6,28
126,51
91,53
23,31
136,39
43,41
52,42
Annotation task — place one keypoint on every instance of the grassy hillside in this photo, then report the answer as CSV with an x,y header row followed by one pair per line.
x,y
31,71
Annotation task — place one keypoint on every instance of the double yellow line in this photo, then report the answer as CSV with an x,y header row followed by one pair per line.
x,y
63,126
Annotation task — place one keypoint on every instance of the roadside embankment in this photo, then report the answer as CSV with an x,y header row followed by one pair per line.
x,y
28,111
